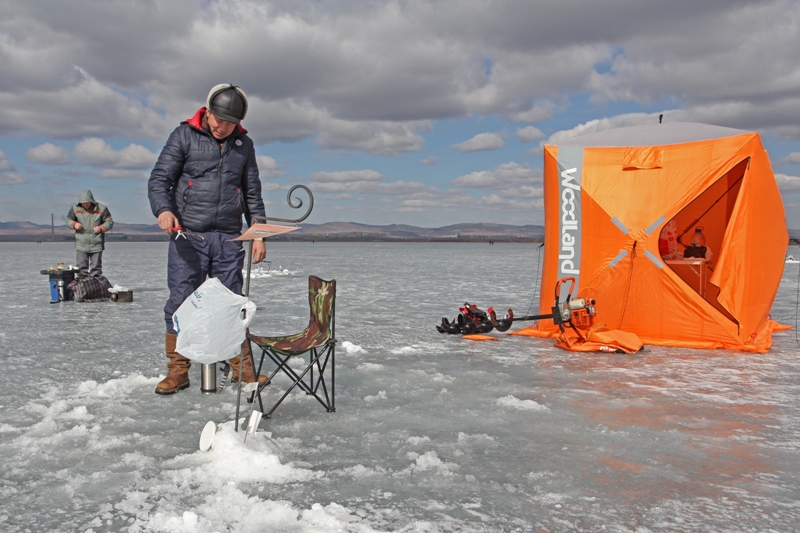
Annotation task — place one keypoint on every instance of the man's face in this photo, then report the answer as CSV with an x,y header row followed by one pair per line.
x,y
220,129
86,205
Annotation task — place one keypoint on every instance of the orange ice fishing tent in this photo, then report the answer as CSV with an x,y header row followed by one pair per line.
x,y
612,197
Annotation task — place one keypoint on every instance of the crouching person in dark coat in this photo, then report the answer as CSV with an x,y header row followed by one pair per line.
x,y
91,221
204,182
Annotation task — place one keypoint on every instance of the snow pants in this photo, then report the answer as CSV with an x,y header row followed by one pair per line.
x,y
194,258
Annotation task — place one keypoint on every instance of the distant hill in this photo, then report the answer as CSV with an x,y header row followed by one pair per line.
x,y
455,232
330,231
19,226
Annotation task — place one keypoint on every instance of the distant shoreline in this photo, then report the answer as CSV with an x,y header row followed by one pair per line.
x,y
326,232
122,238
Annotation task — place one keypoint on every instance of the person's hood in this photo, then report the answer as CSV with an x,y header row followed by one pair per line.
x,y
86,196
197,121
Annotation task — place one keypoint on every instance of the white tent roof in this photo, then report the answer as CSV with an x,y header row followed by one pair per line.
x,y
653,135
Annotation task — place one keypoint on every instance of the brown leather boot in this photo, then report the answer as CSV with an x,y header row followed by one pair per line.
x,y
177,368
248,374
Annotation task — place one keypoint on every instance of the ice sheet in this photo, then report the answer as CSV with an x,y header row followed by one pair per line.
x,y
432,433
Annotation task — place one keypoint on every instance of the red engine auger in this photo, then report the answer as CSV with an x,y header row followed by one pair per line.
x,y
575,313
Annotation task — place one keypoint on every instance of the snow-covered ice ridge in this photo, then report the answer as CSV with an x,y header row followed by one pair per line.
x,y
432,433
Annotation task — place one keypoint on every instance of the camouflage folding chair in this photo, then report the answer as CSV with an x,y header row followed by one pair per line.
x,y
317,340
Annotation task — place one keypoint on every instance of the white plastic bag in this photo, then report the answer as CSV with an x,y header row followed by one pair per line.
x,y
210,325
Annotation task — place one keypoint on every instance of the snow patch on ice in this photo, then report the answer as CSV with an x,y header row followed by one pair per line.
x,y
551,498
232,459
115,387
230,509
360,472
380,396
443,378
405,350
215,476
7,428
464,437
523,405
349,347
417,440
369,367
535,476
427,462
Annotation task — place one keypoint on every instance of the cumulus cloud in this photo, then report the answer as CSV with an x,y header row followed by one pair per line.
x,y
379,138
128,70
432,160
97,153
536,150
529,133
271,186
510,204
268,167
5,164
376,77
501,176
538,113
48,154
88,107
788,183
603,124
113,173
397,188
418,205
793,158
523,191
401,188
346,176
12,179
481,142
344,182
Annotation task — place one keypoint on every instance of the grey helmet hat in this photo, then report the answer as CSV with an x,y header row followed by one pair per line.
x,y
227,102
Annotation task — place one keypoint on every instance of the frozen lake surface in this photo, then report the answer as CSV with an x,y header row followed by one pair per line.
x,y
432,433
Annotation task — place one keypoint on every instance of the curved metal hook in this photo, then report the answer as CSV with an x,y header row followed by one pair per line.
x,y
294,206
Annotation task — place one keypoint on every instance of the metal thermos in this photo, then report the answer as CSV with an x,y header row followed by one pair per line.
x,y
208,378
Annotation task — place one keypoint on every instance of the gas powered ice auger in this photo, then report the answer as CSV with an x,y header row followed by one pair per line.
x,y
575,313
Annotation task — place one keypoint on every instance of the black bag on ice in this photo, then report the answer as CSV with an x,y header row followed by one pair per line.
x,y
90,289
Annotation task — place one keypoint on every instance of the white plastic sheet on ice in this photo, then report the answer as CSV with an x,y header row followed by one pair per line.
x,y
210,323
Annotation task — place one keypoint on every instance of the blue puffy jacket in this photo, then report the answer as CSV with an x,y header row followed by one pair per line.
x,y
207,186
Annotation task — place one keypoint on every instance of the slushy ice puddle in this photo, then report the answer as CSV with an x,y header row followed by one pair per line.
x,y
432,433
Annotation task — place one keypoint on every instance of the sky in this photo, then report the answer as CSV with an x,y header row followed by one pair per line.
x,y
417,112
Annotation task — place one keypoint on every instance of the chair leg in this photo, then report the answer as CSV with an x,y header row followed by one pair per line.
x,y
257,392
333,378
320,360
311,356
261,385
329,400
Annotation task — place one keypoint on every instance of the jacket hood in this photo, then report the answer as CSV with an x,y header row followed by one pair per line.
x,y
86,196
197,121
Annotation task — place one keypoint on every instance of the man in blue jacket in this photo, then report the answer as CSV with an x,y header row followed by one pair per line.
x,y
204,181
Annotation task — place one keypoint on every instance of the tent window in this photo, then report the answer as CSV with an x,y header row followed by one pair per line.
x,y
711,211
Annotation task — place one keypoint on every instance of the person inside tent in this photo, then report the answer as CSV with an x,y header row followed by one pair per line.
x,y
697,246
670,247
